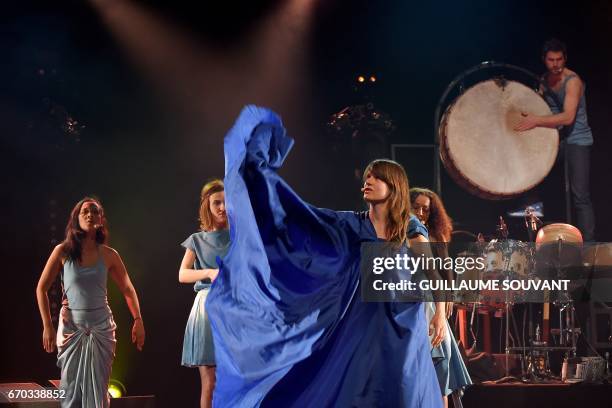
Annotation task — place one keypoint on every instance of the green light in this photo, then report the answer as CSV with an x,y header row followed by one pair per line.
x,y
116,389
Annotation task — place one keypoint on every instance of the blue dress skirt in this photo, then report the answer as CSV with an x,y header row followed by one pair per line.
x,y
85,352
198,346
451,371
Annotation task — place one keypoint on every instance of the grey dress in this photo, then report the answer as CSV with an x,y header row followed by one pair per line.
x,y
198,347
85,335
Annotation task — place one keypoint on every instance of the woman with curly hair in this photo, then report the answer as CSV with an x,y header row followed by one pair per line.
x,y
450,368
428,207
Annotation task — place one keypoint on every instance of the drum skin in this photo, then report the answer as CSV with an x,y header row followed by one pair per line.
x,y
480,149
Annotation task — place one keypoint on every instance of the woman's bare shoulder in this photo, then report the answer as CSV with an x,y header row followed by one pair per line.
x,y
109,253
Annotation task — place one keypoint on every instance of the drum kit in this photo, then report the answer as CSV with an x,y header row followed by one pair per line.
x,y
483,153
530,262
551,256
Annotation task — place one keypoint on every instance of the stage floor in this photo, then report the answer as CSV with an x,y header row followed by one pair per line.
x,y
538,395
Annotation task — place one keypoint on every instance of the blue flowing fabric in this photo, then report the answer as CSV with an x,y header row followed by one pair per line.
x,y
288,323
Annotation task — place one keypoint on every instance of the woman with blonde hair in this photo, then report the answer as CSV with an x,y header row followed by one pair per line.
x,y
199,266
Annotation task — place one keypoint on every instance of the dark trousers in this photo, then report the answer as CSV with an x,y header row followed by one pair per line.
x,y
579,163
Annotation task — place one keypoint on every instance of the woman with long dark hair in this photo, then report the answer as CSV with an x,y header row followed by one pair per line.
x,y
86,332
428,208
199,266
452,373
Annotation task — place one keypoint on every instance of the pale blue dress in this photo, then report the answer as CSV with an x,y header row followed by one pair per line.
x,y
198,347
85,336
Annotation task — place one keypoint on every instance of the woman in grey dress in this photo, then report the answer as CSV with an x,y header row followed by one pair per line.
x,y
199,266
85,336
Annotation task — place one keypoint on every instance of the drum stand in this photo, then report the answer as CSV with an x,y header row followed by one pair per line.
x,y
535,359
507,255
536,355
567,333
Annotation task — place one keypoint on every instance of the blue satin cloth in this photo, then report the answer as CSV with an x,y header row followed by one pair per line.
x,y
288,324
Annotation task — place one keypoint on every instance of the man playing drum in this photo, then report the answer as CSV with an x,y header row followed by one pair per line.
x,y
564,92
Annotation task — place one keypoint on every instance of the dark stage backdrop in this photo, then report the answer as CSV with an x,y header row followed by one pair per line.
x,y
149,131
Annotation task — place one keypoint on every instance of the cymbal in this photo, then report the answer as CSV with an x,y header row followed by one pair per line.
x,y
554,232
598,255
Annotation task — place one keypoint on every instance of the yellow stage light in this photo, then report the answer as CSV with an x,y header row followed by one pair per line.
x,y
116,389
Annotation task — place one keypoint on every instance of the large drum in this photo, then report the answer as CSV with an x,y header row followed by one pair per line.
x,y
480,149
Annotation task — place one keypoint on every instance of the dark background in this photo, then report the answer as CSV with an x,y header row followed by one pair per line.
x,y
156,87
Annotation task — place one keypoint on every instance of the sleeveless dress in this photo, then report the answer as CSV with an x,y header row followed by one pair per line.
x,y
198,347
85,335
450,368
289,324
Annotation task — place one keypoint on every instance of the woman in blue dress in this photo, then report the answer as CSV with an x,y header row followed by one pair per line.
x,y
450,367
289,324
86,331
199,266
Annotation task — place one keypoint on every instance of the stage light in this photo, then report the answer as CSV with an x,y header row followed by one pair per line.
x,y
360,78
372,78
116,389
187,70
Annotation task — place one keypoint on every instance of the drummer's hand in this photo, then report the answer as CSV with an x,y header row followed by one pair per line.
x,y
528,122
138,334
449,309
49,338
437,327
